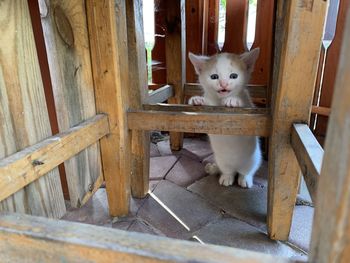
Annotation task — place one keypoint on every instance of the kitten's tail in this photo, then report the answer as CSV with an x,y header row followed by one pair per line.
x,y
212,169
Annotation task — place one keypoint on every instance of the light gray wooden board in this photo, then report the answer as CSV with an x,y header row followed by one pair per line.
x,y
67,44
23,114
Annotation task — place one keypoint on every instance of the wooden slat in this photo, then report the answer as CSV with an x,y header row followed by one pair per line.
x,y
29,164
66,39
43,240
175,51
161,95
309,154
138,95
299,28
331,227
195,89
107,35
323,111
213,21
201,122
23,113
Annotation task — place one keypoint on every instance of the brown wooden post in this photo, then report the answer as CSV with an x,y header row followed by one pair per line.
x,y
109,53
331,228
138,94
299,27
175,48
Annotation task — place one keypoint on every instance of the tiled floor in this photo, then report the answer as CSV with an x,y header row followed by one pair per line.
x,y
185,203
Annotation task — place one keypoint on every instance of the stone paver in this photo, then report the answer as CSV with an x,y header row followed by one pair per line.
x,y
249,205
186,171
235,233
143,227
160,166
198,147
192,210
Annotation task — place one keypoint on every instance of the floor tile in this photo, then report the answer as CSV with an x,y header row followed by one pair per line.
x,y
160,166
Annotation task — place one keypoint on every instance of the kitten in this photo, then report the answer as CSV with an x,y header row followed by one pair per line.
x,y
224,78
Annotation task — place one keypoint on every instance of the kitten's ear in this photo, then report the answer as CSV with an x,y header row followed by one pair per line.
x,y
198,62
250,58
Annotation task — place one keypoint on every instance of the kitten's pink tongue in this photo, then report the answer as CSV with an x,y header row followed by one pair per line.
x,y
223,91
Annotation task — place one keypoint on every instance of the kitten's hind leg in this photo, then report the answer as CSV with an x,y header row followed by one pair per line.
x,y
212,169
245,181
227,179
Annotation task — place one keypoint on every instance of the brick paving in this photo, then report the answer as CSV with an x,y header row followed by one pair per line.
x,y
185,203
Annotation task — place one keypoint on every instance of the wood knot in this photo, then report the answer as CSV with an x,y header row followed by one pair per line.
x,y
37,162
63,26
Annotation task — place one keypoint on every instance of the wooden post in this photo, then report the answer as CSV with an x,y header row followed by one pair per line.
x,y
23,111
299,27
109,54
138,94
66,39
175,48
331,228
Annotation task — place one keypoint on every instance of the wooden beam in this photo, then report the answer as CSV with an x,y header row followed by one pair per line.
x,y
161,95
309,154
66,39
109,54
323,111
299,29
195,89
175,51
201,122
331,227
24,119
138,95
28,165
43,240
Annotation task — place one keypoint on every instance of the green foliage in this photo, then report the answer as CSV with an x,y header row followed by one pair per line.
x,y
149,47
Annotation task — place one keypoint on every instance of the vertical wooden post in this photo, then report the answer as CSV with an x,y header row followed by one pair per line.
x,y
331,228
109,53
299,27
175,48
138,94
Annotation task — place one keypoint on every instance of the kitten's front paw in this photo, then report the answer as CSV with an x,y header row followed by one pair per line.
x,y
233,102
245,181
226,180
196,100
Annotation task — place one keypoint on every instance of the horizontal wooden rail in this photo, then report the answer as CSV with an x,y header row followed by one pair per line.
x,y
309,154
324,111
162,94
256,91
38,239
233,123
24,167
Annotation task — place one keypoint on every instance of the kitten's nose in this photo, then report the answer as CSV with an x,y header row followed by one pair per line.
x,y
223,83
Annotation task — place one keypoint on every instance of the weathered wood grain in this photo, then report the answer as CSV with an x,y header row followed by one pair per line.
x,y
175,49
161,95
22,168
309,154
67,44
299,27
109,54
138,95
201,122
331,227
42,240
23,114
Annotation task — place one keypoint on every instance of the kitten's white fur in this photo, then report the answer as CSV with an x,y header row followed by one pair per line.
x,y
233,154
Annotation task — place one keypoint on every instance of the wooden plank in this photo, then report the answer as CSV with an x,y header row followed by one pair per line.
x,y
323,111
161,95
109,53
256,91
331,227
23,111
296,56
42,240
207,109
213,21
236,26
175,51
201,122
309,154
67,43
26,166
138,95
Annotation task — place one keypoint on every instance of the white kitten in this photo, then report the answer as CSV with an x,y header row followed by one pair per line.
x,y
224,78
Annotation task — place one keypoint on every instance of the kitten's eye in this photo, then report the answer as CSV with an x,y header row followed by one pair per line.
x,y
233,76
214,76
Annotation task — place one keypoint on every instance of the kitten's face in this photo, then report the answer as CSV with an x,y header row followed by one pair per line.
x,y
225,74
